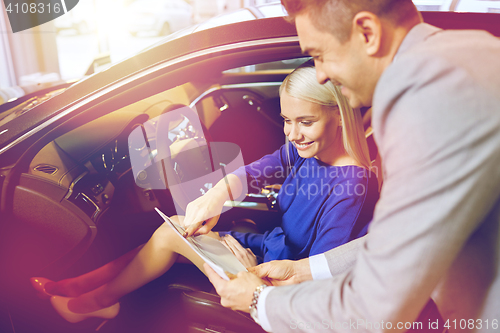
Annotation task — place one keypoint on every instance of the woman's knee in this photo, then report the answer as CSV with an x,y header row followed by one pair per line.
x,y
164,236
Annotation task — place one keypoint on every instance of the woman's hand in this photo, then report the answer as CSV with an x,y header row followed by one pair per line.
x,y
245,256
203,213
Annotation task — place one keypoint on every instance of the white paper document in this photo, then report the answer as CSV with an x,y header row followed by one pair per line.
x,y
212,251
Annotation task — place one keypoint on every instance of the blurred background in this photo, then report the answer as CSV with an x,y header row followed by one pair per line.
x,y
97,33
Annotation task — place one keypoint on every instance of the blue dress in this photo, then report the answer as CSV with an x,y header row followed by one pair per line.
x,y
322,206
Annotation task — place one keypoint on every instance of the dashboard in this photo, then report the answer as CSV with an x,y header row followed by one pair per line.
x,y
89,161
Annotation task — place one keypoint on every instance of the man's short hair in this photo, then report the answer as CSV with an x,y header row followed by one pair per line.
x,y
335,16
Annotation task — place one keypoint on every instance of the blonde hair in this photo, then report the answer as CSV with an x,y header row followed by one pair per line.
x,y
302,83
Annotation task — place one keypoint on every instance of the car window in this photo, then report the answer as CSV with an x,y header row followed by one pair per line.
x,y
105,147
273,65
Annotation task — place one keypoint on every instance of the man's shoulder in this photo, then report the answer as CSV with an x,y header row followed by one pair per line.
x,y
443,58
460,48
447,76
456,44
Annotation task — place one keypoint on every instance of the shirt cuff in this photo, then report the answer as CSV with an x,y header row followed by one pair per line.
x,y
261,309
319,267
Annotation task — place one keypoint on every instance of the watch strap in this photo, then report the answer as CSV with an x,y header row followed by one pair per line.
x,y
255,301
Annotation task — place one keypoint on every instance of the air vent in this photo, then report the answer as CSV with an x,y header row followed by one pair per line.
x,y
45,168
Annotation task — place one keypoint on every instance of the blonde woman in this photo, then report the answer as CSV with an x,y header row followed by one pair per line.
x,y
326,199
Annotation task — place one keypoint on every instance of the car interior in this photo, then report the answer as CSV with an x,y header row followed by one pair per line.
x,y
78,204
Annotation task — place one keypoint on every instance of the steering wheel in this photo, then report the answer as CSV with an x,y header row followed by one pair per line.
x,y
184,158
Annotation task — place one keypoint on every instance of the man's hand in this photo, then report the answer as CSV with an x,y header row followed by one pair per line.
x,y
283,272
236,294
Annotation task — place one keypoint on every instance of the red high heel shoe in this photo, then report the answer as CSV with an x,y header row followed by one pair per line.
x,y
60,304
39,284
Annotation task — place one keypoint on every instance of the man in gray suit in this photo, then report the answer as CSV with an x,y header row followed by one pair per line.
x,y
435,97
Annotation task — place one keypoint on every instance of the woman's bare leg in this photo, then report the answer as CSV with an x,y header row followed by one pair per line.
x,y
89,281
152,260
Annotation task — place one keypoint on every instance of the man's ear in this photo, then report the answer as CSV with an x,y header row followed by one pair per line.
x,y
368,28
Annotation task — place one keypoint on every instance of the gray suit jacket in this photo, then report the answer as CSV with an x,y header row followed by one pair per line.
x,y
436,119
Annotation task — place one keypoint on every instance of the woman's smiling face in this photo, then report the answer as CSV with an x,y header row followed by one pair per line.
x,y
312,128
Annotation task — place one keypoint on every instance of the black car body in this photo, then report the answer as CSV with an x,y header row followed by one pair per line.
x,y
69,202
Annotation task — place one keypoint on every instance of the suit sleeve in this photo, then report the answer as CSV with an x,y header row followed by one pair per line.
x,y
441,156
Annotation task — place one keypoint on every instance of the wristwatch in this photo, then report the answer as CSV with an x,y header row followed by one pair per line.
x,y
255,299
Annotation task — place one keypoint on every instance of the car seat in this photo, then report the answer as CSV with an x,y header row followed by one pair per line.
x,y
247,123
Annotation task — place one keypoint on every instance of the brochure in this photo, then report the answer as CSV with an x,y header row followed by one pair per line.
x,y
212,251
